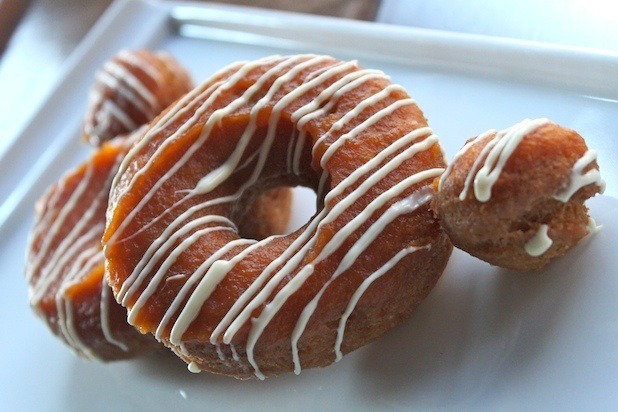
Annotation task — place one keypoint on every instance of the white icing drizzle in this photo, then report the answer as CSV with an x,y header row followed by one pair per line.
x,y
185,230
58,221
134,86
363,288
235,354
324,217
579,179
404,206
497,152
366,75
271,309
213,179
593,227
105,315
175,277
540,242
220,353
202,289
167,263
145,107
370,101
219,175
477,162
119,75
185,104
206,184
460,153
217,271
76,255
238,359
493,157
504,145
45,207
331,94
194,367
172,115
86,262
135,59
182,348
111,109
160,246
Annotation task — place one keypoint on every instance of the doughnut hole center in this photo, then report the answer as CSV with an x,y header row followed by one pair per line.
x,y
279,210
304,207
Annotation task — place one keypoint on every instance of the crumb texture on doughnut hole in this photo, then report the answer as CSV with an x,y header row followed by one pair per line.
x,y
177,254
515,198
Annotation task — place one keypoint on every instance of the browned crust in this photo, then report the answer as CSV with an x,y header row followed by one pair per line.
x,y
271,216
386,303
85,295
522,199
174,81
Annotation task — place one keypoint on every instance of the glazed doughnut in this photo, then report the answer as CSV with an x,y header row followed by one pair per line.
x,y
65,262
515,198
130,90
242,307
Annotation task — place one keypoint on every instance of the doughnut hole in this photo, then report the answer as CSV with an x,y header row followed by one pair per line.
x,y
180,186
522,200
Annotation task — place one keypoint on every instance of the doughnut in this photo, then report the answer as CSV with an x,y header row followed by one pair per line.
x,y
515,198
65,264
176,254
130,90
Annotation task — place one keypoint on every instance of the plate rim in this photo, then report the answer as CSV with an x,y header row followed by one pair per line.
x,y
524,61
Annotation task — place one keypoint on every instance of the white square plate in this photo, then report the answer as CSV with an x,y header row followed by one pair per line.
x,y
486,338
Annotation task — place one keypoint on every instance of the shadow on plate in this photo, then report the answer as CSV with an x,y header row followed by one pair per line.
x,y
482,328
482,325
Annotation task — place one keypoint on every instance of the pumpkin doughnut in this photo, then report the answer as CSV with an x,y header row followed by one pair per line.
x,y
515,198
130,90
65,264
242,307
